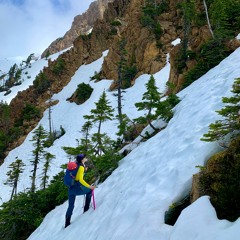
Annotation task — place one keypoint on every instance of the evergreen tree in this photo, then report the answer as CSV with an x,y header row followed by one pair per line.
x,y
5,119
14,76
59,66
123,126
189,13
29,59
221,27
230,124
121,66
50,122
150,101
164,108
16,168
48,158
38,140
100,114
47,54
41,83
85,131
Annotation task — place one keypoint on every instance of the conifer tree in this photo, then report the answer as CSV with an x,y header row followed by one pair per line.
x,y
100,114
29,59
121,66
48,158
164,108
230,124
47,54
16,168
220,19
52,133
150,101
124,126
38,139
5,119
86,132
189,13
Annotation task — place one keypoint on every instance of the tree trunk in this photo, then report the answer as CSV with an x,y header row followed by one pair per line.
x,y
208,21
99,138
34,173
120,96
35,168
149,120
12,193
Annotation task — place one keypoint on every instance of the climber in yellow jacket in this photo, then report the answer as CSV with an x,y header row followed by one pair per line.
x,y
81,187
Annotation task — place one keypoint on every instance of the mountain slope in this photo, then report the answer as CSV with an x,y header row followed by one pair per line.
x,y
145,53
132,201
81,25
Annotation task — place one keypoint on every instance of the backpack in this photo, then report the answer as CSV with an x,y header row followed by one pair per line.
x,y
70,174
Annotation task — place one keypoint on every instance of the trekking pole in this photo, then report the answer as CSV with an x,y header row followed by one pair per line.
x,y
93,199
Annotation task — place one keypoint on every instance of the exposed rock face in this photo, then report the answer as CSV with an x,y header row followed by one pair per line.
x,y
141,43
81,25
220,180
141,47
197,190
85,50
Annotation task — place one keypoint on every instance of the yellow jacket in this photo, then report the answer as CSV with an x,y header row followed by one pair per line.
x,y
79,177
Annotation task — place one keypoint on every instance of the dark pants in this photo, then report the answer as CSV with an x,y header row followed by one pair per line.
x,y
74,191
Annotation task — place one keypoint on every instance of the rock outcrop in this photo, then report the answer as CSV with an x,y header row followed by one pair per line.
x,y
82,25
85,50
220,180
115,21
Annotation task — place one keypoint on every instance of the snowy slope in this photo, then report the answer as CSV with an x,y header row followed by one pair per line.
x,y
28,74
132,201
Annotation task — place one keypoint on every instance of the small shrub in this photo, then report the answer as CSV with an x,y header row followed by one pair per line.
x,y
113,31
129,72
147,21
96,76
83,92
211,54
220,180
116,23
106,164
158,30
30,112
59,66
86,37
7,92
41,83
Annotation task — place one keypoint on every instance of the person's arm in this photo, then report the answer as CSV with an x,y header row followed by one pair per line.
x,y
79,177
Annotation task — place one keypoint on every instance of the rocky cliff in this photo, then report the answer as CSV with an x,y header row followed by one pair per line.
x,y
82,25
146,48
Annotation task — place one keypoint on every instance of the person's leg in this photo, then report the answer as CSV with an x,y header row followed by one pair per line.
x,y
88,200
82,190
71,201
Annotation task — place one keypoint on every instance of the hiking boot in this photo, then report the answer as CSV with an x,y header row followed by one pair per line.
x,y
85,209
67,222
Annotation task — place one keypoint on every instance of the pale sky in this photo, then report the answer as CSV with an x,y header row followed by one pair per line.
x,y
29,26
